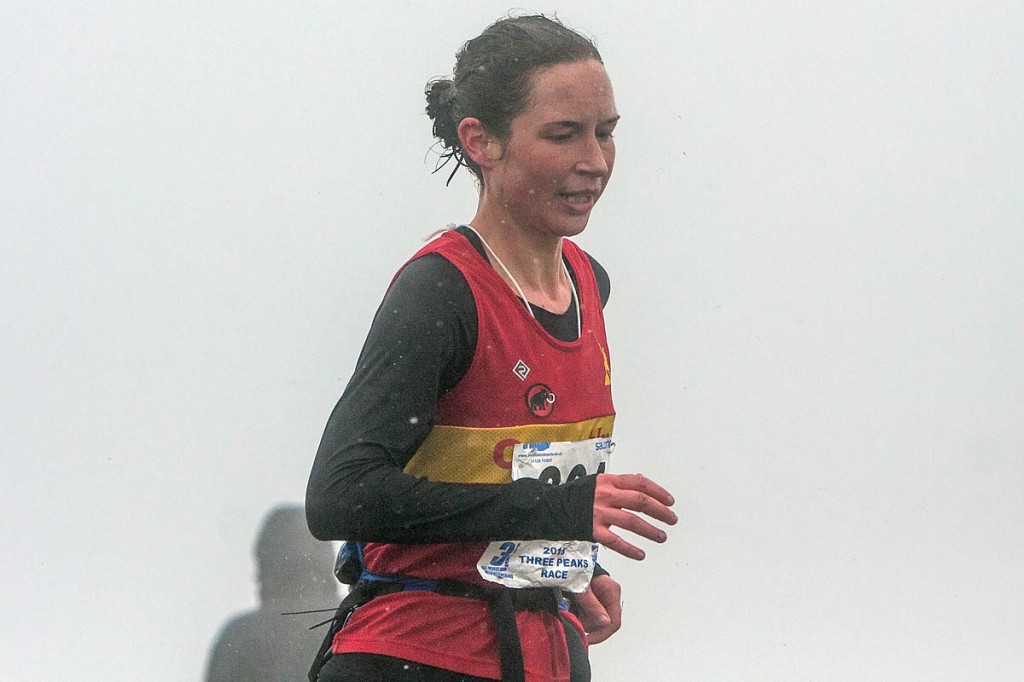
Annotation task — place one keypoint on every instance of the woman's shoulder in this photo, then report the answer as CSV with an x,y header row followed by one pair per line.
x,y
432,280
604,285
604,282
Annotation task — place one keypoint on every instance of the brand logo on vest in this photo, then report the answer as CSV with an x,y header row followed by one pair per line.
x,y
540,400
607,367
521,370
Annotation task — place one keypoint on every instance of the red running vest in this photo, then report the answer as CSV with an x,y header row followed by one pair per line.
x,y
523,386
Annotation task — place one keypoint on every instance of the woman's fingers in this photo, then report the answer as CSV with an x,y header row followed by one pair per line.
x,y
601,609
634,524
636,493
644,485
616,498
616,544
634,500
592,613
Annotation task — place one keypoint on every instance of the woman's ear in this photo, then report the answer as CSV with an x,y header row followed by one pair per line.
x,y
482,147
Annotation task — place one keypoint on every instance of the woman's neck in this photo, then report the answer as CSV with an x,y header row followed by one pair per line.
x,y
533,260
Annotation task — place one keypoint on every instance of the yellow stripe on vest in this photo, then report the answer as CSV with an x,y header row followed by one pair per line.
x,y
462,454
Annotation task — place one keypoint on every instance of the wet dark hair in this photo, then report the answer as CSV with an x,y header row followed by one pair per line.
x,y
493,76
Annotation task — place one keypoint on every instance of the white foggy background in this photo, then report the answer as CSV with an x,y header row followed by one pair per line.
x,y
815,239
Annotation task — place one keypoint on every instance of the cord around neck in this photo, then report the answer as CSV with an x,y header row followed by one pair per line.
x,y
519,289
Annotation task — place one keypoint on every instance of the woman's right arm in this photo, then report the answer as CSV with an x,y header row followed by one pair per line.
x,y
420,344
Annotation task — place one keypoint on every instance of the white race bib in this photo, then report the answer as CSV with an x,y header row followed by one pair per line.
x,y
568,564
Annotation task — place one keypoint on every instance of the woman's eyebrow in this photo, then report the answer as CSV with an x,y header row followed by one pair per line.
x,y
576,124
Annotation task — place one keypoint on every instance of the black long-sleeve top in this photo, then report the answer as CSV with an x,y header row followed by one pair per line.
x,y
420,345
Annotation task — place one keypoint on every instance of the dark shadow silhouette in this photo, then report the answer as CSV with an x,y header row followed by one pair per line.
x,y
295,573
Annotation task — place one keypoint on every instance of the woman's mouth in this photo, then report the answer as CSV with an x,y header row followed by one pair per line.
x,y
580,201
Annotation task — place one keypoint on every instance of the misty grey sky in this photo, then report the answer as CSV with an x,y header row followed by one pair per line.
x,y
815,234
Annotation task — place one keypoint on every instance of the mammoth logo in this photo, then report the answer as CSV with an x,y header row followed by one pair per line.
x,y
540,400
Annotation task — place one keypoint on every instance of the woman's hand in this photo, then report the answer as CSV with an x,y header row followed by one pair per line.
x,y
600,609
616,498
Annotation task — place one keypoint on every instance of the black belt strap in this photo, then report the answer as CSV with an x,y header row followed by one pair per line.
x,y
358,595
510,648
502,603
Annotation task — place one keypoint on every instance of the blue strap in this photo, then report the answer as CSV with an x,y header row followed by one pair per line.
x,y
420,584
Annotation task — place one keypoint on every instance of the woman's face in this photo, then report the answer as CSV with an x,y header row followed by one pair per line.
x,y
559,153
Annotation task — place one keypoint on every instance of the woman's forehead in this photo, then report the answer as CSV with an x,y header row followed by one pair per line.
x,y
576,88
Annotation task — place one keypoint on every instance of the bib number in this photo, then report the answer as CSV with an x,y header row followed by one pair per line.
x,y
568,564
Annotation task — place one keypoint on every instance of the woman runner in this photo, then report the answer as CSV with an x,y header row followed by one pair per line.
x,y
467,455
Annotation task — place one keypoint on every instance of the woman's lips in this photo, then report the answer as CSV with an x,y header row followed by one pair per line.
x,y
579,201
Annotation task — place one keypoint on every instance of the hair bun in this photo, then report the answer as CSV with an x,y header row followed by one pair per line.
x,y
440,93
